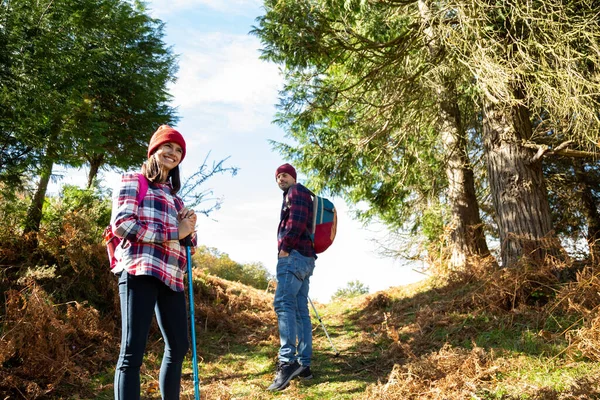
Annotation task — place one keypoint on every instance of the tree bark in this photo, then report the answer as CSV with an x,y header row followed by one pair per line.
x,y
96,162
467,235
517,186
34,213
590,210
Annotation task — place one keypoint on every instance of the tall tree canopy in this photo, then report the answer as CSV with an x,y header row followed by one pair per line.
x,y
383,96
86,84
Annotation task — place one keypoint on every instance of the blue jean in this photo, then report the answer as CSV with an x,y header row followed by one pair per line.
x,y
141,296
291,307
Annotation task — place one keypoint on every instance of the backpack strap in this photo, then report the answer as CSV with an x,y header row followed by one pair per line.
x,y
142,188
311,234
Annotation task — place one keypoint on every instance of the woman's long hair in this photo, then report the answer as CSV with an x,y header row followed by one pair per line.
x,y
152,170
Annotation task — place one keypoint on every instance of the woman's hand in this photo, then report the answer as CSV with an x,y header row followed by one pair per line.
x,y
187,222
185,213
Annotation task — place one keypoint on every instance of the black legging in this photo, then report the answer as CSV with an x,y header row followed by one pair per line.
x,y
140,297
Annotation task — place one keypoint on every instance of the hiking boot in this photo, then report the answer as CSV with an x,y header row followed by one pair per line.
x,y
285,373
305,373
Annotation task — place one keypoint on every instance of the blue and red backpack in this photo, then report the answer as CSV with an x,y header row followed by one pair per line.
x,y
324,226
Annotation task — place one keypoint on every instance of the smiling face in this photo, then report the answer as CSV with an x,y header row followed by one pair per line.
x,y
285,180
169,155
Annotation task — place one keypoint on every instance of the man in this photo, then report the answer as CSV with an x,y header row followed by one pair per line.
x,y
295,265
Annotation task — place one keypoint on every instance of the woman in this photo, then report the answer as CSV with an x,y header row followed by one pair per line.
x,y
151,265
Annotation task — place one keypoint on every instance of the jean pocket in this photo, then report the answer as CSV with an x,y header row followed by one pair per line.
x,y
284,262
299,272
301,268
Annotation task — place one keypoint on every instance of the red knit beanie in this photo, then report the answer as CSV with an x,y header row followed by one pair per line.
x,y
288,169
165,134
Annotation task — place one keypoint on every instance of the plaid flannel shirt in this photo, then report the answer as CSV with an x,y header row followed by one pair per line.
x,y
151,244
296,221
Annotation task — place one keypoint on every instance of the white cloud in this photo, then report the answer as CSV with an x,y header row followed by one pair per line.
x,y
219,68
166,7
222,75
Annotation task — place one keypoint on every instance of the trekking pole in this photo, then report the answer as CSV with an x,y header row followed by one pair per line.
x,y
188,246
337,353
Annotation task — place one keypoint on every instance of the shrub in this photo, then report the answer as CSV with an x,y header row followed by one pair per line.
x,y
71,234
68,258
46,345
352,289
219,264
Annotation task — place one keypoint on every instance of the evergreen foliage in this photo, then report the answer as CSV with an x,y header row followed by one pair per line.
x,y
366,83
85,84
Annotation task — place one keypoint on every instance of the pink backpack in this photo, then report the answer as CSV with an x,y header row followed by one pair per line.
x,y
111,240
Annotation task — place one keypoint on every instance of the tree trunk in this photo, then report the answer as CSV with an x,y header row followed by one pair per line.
x,y
590,210
34,214
95,161
517,186
467,237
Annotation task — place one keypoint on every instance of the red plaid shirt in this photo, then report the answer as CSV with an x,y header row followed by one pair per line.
x,y
151,243
296,221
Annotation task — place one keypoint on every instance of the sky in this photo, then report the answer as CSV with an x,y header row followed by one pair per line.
x,y
226,97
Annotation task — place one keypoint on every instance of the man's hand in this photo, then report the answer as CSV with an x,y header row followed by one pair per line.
x,y
283,253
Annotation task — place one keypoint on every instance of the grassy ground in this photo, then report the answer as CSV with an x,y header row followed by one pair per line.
x,y
506,334
422,342
233,368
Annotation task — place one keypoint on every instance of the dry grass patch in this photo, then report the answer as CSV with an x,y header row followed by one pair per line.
x,y
448,374
44,345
